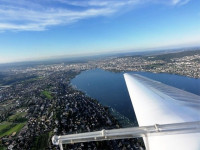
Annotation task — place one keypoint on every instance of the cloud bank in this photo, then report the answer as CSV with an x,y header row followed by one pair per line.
x,y
36,15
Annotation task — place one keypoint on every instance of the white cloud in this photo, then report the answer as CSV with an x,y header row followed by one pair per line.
x,y
30,16
34,15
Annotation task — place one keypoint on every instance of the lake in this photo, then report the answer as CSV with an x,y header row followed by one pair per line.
x,y
110,89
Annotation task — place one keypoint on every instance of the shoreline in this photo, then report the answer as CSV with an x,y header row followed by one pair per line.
x,y
122,120
121,71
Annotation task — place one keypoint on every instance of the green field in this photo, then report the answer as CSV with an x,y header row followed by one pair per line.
x,y
33,79
17,116
14,124
47,94
7,128
12,128
4,125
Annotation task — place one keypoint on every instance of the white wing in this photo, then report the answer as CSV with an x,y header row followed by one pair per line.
x,y
157,103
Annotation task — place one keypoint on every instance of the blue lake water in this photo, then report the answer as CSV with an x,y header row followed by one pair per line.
x,y
110,88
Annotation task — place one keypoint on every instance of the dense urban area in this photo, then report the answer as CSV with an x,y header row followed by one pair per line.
x,y
38,101
185,63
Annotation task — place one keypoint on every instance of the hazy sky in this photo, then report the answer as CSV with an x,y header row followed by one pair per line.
x,y
33,29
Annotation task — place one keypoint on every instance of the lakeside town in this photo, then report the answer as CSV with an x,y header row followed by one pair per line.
x,y
183,63
38,108
37,102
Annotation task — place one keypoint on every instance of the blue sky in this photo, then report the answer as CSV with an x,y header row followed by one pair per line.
x,y
34,29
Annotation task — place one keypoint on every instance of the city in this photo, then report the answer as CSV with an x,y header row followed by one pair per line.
x,y
44,104
99,74
183,63
37,102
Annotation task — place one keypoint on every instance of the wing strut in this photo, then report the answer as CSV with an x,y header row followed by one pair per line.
x,y
123,133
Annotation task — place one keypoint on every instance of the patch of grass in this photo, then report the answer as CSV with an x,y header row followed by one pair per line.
x,y
33,79
47,94
16,128
11,128
14,124
17,116
4,125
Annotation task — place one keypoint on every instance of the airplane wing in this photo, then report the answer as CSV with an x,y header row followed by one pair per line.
x,y
157,103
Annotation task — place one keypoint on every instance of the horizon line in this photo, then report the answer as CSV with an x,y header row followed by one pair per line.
x,y
92,54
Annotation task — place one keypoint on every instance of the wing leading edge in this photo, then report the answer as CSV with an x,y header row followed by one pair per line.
x,y
157,103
